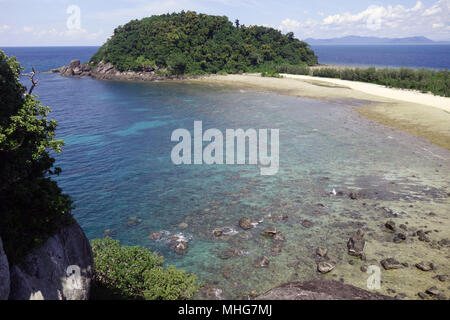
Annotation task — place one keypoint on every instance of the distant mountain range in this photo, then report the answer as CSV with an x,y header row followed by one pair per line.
x,y
357,40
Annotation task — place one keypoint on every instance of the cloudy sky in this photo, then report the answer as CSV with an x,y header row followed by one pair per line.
x,y
55,22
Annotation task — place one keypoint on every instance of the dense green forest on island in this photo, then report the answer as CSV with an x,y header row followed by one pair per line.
x,y
191,43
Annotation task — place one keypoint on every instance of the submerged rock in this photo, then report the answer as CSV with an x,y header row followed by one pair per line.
x,y
276,248
322,252
353,195
224,232
156,235
324,267
183,225
180,247
433,291
307,224
422,295
391,263
422,236
442,277
133,221
217,232
279,237
399,237
230,253
269,232
444,242
281,218
390,225
109,233
262,262
356,243
425,266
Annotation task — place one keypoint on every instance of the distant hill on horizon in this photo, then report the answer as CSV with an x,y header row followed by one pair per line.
x,y
358,40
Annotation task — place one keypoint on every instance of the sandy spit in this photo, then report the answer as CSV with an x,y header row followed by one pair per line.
x,y
423,115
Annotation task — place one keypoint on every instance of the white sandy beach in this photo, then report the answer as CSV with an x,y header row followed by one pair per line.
x,y
382,91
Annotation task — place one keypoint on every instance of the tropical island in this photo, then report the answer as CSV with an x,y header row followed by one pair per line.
x,y
191,44
187,44
200,47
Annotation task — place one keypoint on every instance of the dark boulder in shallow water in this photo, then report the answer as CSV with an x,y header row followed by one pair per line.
x,y
320,290
425,266
324,267
391,263
269,232
307,224
322,252
390,225
356,243
262,262
399,237
180,247
245,223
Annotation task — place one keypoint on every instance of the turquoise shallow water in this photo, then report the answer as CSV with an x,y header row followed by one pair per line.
x,y
117,167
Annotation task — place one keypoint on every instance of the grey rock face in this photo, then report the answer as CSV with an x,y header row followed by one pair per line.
x,y
320,290
74,64
61,269
4,274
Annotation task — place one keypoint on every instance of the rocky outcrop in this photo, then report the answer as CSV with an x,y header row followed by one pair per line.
x,y
60,269
106,71
75,68
4,274
320,290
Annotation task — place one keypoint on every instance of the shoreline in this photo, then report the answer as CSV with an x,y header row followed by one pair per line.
x,y
422,115
403,95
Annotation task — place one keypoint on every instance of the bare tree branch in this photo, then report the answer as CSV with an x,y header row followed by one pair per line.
x,y
33,81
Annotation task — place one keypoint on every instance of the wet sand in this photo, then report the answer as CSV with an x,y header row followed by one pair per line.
x,y
422,115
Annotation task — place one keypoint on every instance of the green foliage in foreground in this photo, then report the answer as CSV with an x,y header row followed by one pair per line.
x,y
191,43
425,80
32,206
124,272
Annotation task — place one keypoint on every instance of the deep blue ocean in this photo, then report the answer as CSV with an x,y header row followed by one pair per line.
x,y
117,168
413,56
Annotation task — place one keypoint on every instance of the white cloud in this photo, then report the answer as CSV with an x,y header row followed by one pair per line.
x,y
67,34
437,25
144,10
432,11
392,21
